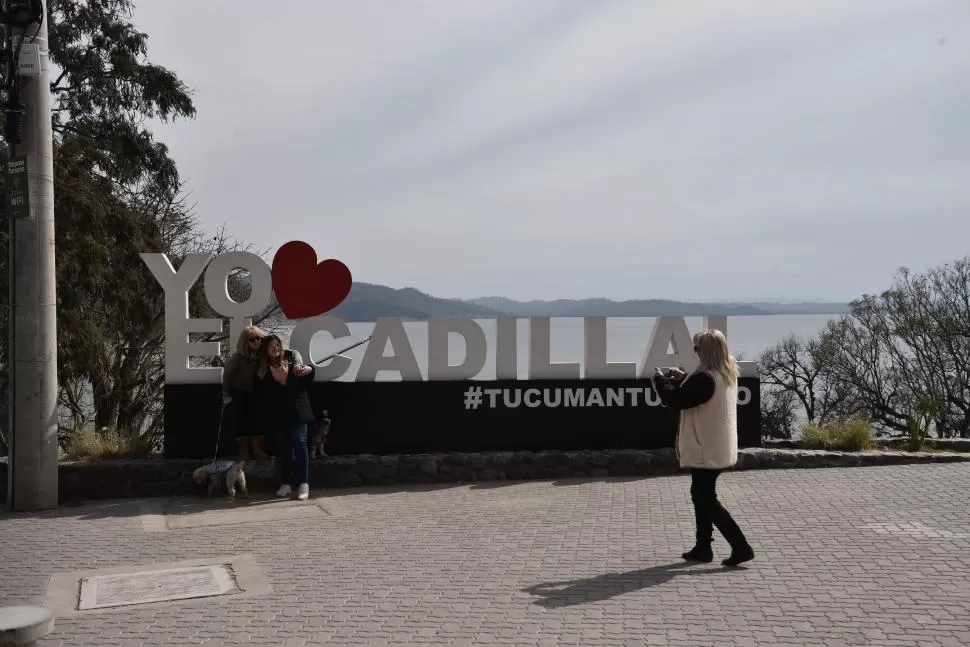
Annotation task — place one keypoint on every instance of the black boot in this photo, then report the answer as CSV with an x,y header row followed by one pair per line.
x,y
702,551
739,555
701,497
699,553
741,550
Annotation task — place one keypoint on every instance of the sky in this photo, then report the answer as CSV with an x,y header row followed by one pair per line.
x,y
545,149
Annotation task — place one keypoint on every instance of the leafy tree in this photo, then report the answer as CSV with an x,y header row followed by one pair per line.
x,y
107,89
117,193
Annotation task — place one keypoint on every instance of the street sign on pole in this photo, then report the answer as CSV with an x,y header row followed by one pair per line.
x,y
15,188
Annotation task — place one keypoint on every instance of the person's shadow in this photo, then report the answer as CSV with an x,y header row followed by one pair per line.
x,y
554,595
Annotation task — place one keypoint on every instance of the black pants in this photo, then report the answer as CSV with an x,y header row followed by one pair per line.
x,y
709,512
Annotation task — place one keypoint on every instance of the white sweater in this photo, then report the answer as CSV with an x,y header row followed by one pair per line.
x,y
708,435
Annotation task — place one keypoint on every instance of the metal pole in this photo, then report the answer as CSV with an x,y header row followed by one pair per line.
x,y
33,455
9,73
342,350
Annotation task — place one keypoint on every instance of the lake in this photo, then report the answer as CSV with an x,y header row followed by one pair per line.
x,y
627,339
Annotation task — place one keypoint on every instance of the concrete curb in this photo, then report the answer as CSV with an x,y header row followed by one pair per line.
x,y
163,478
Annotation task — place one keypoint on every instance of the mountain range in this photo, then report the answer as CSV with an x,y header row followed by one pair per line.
x,y
367,301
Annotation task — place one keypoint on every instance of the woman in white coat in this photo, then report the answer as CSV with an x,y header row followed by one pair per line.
x,y
707,439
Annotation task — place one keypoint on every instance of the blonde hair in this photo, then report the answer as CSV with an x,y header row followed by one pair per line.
x,y
712,350
242,344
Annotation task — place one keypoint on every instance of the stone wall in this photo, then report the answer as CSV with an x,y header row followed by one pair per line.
x,y
150,477
942,444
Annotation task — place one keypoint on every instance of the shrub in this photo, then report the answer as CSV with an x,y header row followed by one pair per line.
x,y
845,435
105,444
920,421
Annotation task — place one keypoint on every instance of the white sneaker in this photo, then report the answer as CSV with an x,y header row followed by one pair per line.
x,y
304,492
285,490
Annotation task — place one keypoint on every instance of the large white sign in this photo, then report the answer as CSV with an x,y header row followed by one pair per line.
x,y
668,332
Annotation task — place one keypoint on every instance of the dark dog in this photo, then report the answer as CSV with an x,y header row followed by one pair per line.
x,y
320,429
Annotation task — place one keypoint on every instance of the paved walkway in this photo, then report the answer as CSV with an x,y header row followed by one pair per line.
x,y
863,556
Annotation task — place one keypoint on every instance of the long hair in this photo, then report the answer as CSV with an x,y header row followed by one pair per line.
x,y
262,361
242,344
712,350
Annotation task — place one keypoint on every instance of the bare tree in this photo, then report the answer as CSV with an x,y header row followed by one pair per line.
x,y
799,367
907,347
778,418
928,316
861,365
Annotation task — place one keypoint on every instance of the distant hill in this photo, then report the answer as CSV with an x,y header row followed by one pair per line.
x,y
802,307
650,308
608,308
368,301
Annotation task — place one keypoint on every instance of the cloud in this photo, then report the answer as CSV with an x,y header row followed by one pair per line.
x,y
569,148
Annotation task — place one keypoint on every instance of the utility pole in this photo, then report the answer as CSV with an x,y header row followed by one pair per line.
x,y
32,359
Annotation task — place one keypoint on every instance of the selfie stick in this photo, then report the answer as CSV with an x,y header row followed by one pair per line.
x,y
343,350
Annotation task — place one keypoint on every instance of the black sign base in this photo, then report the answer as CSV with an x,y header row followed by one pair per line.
x,y
462,416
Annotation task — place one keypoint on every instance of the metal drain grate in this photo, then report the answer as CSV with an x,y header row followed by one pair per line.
x,y
104,591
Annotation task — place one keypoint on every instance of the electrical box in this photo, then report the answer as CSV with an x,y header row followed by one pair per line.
x,y
28,63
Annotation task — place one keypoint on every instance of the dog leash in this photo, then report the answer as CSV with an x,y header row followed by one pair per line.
x,y
222,411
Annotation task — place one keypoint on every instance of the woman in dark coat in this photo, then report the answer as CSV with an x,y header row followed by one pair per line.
x,y
282,391
237,395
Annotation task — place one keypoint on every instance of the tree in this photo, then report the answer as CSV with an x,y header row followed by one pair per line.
x,y
929,315
909,344
798,367
105,92
862,364
900,358
778,416
117,193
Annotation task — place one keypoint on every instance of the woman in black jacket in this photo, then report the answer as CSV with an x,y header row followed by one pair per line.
x,y
282,391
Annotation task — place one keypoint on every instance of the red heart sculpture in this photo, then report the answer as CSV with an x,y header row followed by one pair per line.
x,y
305,288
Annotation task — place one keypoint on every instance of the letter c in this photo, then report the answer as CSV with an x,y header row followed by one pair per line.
x,y
532,398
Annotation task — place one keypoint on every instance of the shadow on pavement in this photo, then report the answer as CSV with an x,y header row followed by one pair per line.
x,y
174,505
170,506
554,595
586,480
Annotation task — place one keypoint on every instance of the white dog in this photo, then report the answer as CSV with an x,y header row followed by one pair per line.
x,y
233,471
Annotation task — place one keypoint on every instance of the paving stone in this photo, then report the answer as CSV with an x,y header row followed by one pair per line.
x,y
863,557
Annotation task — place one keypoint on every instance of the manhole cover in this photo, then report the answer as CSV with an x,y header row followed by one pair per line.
x,y
127,589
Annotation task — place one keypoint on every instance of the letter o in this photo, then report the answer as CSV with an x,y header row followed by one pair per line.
x,y
744,395
216,284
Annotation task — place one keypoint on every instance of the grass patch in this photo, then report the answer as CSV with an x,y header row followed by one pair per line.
x,y
920,422
843,435
104,444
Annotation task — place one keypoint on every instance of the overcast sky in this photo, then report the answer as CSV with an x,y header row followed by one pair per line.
x,y
576,148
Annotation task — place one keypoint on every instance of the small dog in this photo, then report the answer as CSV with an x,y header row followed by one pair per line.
x,y
232,471
318,437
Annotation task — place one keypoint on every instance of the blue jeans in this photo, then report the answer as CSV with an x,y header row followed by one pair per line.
x,y
294,456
